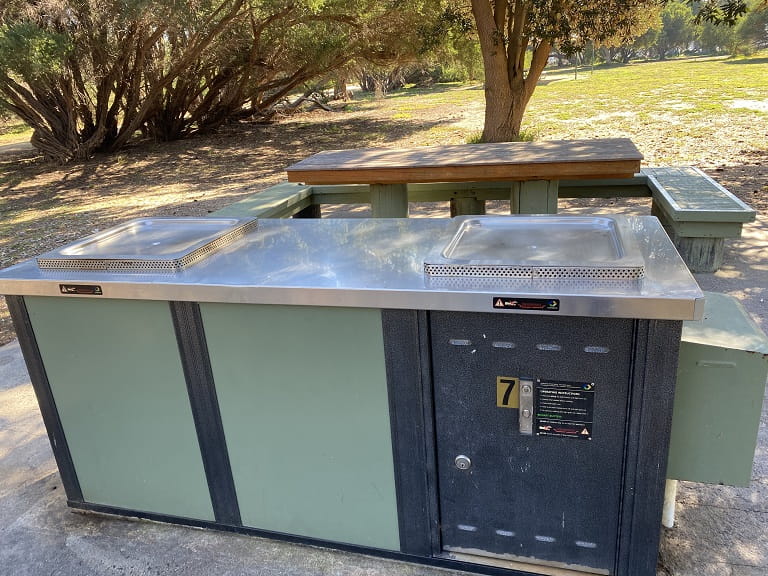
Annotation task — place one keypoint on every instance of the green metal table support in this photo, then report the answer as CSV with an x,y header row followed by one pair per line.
x,y
534,197
467,205
389,200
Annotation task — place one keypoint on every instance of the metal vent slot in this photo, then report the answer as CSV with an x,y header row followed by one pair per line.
x,y
535,272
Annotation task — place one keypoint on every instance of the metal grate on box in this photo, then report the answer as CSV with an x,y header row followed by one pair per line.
x,y
592,273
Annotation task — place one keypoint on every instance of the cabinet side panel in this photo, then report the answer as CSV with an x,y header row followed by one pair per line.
x,y
118,384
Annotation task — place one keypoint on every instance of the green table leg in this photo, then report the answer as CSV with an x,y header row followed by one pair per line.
x,y
389,200
534,197
467,206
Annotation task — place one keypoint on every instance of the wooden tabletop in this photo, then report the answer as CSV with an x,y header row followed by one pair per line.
x,y
506,161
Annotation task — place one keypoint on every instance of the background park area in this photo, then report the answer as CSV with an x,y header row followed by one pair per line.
x,y
168,108
708,112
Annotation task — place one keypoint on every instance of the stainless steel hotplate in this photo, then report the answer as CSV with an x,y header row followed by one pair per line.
x,y
546,247
149,244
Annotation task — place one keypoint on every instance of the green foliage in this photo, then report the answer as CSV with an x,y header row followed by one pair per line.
x,y
752,30
678,30
720,11
716,38
88,74
30,51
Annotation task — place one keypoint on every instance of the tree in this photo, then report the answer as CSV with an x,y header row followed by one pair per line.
x,y
643,35
752,31
76,70
715,38
677,28
86,75
508,29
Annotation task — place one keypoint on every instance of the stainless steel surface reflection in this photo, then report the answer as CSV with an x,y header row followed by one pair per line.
x,y
554,247
377,263
148,244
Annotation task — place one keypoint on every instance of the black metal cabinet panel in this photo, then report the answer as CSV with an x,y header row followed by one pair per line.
x,y
553,496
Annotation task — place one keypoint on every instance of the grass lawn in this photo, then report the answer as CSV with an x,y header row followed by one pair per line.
x,y
13,131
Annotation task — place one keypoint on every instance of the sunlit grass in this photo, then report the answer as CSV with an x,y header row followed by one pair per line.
x,y
14,131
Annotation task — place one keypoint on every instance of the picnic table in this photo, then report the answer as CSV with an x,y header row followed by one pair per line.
x,y
533,170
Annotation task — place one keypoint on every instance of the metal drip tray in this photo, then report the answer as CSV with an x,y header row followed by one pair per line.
x,y
593,248
149,244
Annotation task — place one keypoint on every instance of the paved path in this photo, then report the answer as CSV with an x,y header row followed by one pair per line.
x,y
15,147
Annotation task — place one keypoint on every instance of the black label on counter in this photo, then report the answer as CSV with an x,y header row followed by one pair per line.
x,y
511,303
81,289
564,409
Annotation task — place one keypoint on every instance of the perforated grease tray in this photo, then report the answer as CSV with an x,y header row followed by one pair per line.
x,y
149,244
547,247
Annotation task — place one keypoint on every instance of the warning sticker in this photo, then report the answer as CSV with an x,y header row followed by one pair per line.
x,y
511,303
564,409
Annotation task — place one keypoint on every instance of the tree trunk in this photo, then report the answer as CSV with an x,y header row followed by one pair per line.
x,y
508,88
503,112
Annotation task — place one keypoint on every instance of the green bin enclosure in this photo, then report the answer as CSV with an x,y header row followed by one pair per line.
x,y
118,386
304,406
720,388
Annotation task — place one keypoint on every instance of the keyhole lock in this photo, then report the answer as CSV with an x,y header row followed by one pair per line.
x,y
462,462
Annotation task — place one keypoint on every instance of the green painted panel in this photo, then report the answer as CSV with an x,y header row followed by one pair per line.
x,y
119,388
707,229
279,201
720,387
303,399
534,197
389,200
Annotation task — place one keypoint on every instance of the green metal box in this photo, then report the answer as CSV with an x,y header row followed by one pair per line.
x,y
720,388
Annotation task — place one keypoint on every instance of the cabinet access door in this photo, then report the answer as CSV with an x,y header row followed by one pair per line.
x,y
549,494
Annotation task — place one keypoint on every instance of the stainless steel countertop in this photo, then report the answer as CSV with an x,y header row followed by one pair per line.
x,y
377,263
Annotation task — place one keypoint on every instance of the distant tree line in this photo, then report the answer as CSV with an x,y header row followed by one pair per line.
x,y
678,29
88,75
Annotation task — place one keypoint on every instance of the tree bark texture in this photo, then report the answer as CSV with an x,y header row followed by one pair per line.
x,y
501,27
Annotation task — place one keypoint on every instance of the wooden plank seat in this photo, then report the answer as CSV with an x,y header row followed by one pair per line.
x,y
532,169
697,212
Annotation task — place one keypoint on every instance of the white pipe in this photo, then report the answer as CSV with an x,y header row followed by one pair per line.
x,y
668,512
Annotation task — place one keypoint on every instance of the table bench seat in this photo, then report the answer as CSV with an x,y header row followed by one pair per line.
x,y
697,212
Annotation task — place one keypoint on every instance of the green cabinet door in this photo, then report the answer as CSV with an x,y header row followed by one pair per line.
x,y
304,405
119,388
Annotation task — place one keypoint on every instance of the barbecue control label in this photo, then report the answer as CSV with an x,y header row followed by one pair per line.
x,y
511,303
564,409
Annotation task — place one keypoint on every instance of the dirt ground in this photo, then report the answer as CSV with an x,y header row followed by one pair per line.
x,y
44,206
